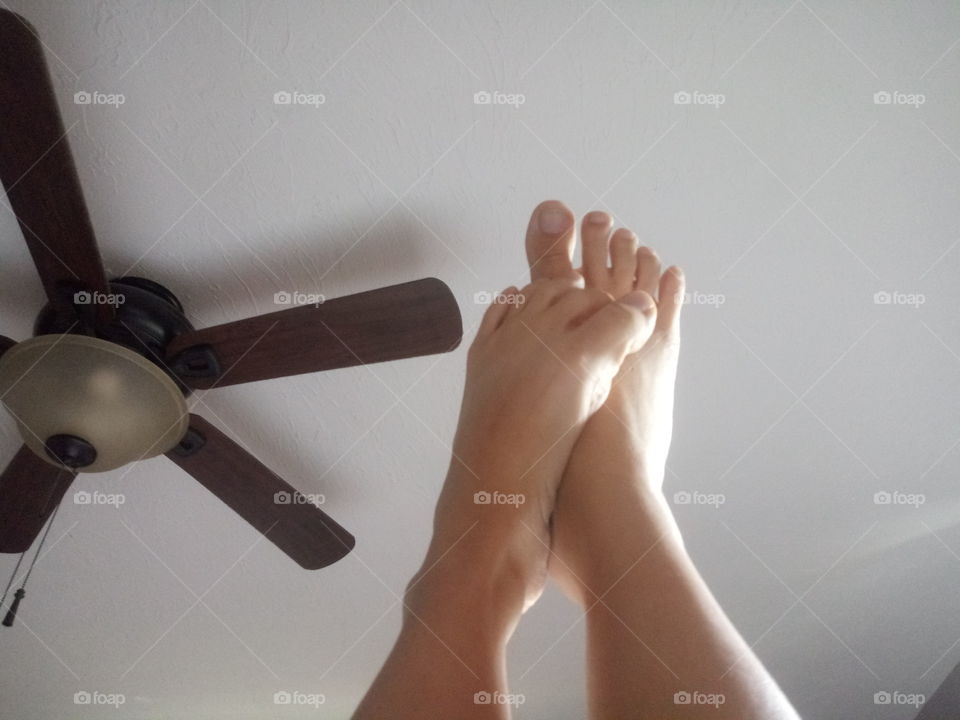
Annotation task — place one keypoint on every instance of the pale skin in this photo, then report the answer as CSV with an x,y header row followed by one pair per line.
x,y
569,403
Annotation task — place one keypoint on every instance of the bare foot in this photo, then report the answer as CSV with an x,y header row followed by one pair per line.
x,y
641,399
543,361
627,441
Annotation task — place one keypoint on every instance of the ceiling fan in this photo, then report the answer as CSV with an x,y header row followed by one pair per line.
x,y
103,381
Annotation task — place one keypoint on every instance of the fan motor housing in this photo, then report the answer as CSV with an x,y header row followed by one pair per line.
x,y
147,317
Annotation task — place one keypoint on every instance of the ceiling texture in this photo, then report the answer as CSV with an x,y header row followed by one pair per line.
x,y
818,387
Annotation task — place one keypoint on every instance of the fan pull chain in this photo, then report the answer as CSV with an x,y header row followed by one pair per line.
x,y
22,591
12,576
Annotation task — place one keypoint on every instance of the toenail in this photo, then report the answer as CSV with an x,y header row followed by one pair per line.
x,y
598,217
553,221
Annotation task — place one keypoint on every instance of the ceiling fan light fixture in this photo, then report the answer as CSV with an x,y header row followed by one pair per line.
x,y
117,406
101,399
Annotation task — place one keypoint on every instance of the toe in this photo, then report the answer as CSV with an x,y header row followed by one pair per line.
x,y
497,312
550,240
572,308
540,295
623,256
595,234
672,286
648,270
621,327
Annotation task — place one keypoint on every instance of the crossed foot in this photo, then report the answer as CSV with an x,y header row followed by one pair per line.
x,y
623,448
641,397
574,364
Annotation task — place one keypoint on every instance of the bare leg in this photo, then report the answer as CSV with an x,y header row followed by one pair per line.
x,y
535,373
659,645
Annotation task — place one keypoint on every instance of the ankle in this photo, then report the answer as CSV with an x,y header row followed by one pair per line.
x,y
595,546
474,580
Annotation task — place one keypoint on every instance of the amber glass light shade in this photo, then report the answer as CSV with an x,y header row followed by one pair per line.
x,y
119,402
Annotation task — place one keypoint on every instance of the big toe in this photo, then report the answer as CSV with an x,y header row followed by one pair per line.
x,y
550,241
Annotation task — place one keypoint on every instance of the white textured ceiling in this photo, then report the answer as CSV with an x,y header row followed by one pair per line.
x,y
799,397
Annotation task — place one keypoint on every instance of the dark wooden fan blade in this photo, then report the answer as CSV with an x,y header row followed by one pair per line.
x,y
30,489
401,321
39,174
255,493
